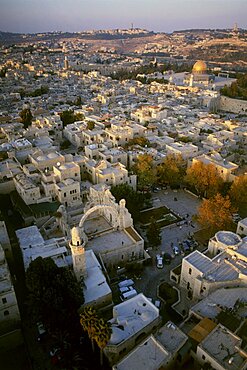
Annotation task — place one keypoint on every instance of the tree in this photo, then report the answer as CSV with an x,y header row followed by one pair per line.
x,y
153,233
171,171
67,117
145,171
216,213
88,320
65,144
54,294
102,336
97,329
26,117
134,201
78,101
3,72
141,140
204,178
238,190
90,125
79,117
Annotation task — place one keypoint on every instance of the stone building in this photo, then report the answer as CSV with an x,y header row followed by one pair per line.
x,y
107,229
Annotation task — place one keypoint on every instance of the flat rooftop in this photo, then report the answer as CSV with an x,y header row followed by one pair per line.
x,y
171,337
149,355
221,345
130,317
33,246
199,261
108,241
212,305
221,268
95,283
201,330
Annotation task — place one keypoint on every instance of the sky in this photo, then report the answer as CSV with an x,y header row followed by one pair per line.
x,y
29,16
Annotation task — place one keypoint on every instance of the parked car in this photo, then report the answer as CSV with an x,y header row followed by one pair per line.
x,y
185,247
193,244
159,261
189,243
125,289
127,295
176,250
125,283
167,258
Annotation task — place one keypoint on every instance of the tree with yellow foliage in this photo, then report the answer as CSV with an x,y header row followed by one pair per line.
x,y
145,171
216,213
204,178
238,190
171,171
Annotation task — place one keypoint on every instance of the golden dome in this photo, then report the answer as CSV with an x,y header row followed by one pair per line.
x,y
199,67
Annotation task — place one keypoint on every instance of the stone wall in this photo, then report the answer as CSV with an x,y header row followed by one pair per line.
x,y
232,105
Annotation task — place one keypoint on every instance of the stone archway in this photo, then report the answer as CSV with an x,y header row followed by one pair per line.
x,y
110,213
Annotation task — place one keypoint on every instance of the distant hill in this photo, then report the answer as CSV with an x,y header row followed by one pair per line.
x,y
9,37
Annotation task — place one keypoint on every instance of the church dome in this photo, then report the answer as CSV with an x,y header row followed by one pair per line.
x,y
199,67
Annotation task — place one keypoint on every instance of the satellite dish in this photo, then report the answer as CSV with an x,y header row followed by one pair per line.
x,y
58,164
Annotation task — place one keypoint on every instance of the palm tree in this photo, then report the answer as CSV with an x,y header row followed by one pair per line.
x,y
88,321
96,328
102,336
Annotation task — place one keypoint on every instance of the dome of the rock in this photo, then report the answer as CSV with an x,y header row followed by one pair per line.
x,y
199,67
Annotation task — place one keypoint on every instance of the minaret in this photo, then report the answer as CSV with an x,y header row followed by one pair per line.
x,y
191,80
78,253
66,63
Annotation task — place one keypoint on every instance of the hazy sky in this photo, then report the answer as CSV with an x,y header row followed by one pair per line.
x,y
156,15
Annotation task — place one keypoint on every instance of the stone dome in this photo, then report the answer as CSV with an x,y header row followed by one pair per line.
x,y
199,67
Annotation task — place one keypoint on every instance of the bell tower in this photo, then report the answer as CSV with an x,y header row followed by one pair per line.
x,y
77,245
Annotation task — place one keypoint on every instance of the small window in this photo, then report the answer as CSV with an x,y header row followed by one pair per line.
x,y
6,313
4,300
203,357
190,271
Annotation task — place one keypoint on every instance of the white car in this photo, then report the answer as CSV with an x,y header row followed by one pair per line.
x,y
159,262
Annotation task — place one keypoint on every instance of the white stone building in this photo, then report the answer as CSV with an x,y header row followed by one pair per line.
x,y
222,350
242,227
186,150
224,168
201,275
68,192
107,228
33,245
89,272
132,321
